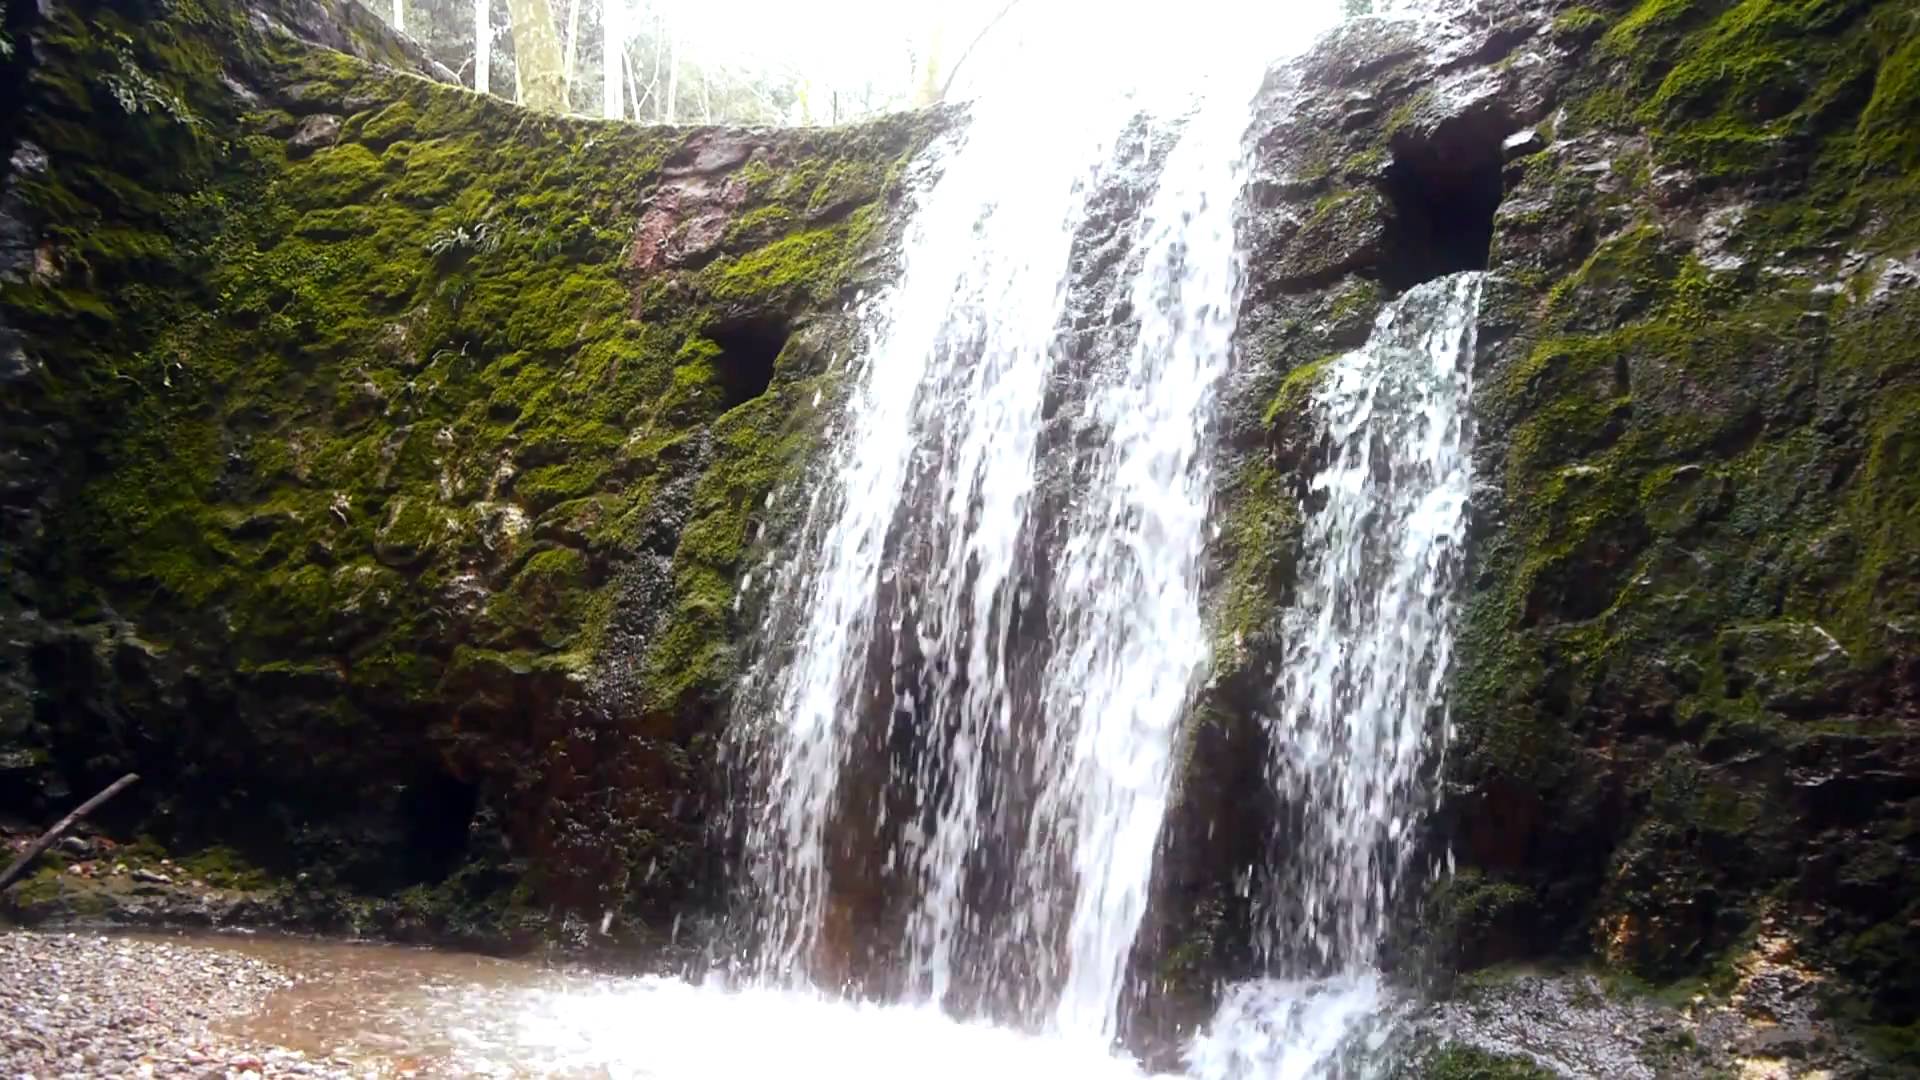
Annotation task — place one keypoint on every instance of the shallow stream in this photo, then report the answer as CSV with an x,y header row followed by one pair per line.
x,y
394,1011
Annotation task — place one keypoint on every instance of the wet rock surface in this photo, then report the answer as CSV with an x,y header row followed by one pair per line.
x,y
1770,1024
79,1005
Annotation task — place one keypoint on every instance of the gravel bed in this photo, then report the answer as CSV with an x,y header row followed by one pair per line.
x,y
84,1005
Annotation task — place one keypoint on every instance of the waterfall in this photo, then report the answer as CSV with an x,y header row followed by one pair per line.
x,y
1361,702
981,641
946,400
1129,639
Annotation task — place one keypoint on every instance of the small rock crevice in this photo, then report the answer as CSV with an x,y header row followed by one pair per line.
x,y
438,808
748,349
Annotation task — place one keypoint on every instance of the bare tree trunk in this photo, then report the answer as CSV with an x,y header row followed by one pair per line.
x,y
954,71
482,43
47,838
573,45
400,15
659,62
640,96
536,56
613,60
928,92
706,98
673,75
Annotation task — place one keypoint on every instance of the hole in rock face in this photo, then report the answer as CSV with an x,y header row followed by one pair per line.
x,y
748,349
1444,187
438,810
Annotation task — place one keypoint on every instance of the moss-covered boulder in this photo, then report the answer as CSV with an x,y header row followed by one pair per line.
x,y
379,459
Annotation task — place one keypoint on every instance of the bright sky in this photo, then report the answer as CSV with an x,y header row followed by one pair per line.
x,y
843,42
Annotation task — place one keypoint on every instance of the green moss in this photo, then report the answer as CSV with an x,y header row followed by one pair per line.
x,y
366,438
1359,298
1887,137
1456,1061
1295,394
225,868
1258,542
549,485
45,885
1579,22
1475,917
761,445
1731,91
759,224
337,176
1883,515
809,265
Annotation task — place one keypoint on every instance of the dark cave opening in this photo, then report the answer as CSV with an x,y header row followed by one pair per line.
x,y
1444,188
748,349
438,809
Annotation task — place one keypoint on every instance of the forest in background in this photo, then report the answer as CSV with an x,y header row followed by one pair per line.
x,y
675,66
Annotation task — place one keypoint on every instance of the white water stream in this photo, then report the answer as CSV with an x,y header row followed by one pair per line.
x,y
1004,559
1362,691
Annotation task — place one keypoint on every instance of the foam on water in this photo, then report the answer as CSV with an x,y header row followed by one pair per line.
x,y
672,1029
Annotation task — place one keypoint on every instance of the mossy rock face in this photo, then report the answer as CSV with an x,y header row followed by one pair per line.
x,y
1348,142
385,456
1686,684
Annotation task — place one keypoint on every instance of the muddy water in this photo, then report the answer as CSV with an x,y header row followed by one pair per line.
x,y
393,1012
399,1011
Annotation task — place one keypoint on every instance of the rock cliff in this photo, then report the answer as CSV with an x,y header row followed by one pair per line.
x,y
379,458
1685,707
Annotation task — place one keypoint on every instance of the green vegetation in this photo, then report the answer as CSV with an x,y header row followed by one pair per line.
x,y
1726,89
1708,552
369,433
1458,1062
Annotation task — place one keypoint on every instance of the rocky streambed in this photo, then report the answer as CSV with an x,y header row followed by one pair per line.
x,y
83,1005
238,1005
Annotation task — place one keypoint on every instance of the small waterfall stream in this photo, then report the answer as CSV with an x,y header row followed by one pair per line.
x,y
1362,691
1129,636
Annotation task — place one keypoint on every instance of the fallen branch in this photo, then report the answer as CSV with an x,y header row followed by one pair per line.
x,y
47,838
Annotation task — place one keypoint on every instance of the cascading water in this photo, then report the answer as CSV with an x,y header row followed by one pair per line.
x,y
1129,638
1362,688
1019,658
960,343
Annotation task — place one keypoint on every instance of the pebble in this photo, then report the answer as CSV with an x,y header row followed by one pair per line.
x,y
85,1005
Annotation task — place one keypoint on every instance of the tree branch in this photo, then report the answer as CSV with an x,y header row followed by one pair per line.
x,y
47,838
